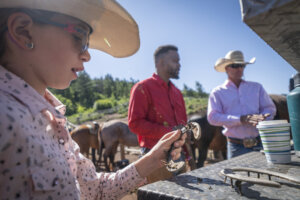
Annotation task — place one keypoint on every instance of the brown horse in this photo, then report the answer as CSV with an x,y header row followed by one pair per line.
x,y
212,137
86,137
281,107
112,134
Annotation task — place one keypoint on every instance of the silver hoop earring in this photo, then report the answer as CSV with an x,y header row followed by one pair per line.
x,y
30,45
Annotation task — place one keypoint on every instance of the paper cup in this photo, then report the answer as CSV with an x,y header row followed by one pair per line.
x,y
275,137
276,148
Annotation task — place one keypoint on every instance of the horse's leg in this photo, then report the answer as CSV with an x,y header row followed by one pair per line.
x,y
112,155
194,152
101,146
191,159
203,148
224,154
94,156
122,151
84,150
215,154
105,155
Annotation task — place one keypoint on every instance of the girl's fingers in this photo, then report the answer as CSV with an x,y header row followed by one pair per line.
x,y
176,153
180,142
171,136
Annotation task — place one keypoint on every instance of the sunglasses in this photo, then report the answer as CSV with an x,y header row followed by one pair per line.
x,y
235,66
80,34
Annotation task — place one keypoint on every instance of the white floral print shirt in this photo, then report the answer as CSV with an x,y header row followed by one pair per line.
x,y
38,158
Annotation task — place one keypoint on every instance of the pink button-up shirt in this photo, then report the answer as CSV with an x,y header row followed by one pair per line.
x,y
227,103
39,159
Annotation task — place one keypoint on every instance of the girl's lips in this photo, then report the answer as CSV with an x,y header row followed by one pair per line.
x,y
75,70
78,69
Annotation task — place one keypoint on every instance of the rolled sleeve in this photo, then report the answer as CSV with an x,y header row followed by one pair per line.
x,y
266,104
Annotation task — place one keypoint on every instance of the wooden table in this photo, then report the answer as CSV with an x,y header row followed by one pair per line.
x,y
208,183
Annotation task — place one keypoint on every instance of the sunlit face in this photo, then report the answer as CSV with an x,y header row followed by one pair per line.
x,y
58,54
171,64
235,74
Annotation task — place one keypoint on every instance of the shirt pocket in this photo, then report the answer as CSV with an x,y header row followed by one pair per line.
x,y
45,177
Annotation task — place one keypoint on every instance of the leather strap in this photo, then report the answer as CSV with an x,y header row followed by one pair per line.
x,y
235,140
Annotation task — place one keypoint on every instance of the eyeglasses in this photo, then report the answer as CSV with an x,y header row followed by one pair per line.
x,y
235,66
81,41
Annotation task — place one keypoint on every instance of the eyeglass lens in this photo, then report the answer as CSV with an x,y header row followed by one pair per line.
x,y
237,66
80,34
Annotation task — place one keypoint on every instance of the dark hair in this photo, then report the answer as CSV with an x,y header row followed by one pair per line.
x,y
163,49
6,12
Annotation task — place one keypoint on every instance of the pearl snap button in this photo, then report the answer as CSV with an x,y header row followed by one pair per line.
x,y
61,141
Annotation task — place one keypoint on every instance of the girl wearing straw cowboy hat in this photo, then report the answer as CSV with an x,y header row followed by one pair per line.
x,y
44,44
238,105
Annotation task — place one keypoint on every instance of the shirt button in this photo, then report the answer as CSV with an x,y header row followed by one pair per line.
x,y
61,141
55,182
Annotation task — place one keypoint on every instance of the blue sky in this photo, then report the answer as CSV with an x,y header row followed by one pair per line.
x,y
203,30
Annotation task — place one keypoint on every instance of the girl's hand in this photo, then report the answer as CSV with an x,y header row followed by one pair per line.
x,y
159,151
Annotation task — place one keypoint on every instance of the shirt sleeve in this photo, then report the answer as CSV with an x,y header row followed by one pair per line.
x,y
103,186
216,116
184,113
266,104
137,115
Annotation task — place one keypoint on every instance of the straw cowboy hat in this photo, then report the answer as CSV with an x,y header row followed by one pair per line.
x,y
232,57
114,30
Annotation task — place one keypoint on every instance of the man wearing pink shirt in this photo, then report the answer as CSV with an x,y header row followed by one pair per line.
x,y
238,105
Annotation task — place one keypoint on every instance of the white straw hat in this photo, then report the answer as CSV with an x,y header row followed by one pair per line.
x,y
114,30
232,57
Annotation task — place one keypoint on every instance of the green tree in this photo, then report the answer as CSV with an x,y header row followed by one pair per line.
x,y
71,107
108,85
200,90
83,88
188,92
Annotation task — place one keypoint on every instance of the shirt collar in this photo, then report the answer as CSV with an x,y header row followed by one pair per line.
x,y
228,83
23,92
162,82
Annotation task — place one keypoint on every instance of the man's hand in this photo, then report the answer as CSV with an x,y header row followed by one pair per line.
x,y
253,119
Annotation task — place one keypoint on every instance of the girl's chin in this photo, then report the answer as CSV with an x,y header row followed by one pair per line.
x,y
62,86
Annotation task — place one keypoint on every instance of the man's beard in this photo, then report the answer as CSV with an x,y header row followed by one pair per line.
x,y
174,74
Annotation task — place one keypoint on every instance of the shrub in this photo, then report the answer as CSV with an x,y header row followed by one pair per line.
x,y
195,105
102,104
80,108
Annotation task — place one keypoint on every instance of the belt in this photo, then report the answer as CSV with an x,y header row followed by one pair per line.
x,y
235,140
247,142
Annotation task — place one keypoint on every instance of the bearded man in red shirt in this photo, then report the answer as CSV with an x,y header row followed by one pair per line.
x,y
156,106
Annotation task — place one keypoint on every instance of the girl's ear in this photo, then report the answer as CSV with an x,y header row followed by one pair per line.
x,y
19,27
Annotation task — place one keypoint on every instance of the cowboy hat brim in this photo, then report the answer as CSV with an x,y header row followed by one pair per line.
x,y
223,62
114,30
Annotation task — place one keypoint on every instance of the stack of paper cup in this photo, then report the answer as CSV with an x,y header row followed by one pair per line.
x,y
275,137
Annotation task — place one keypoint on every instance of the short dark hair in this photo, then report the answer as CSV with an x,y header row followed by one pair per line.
x,y
163,49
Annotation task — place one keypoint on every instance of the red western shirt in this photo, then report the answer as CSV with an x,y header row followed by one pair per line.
x,y
155,107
